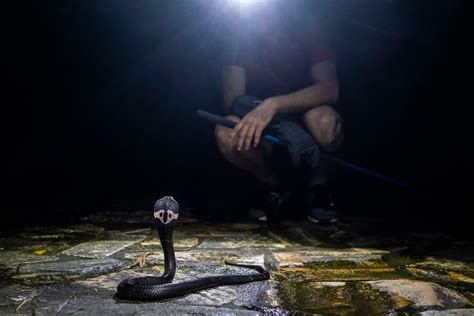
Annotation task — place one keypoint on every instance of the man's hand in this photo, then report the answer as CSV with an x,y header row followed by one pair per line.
x,y
249,130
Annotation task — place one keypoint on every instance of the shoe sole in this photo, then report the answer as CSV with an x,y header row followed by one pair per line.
x,y
317,221
275,214
262,218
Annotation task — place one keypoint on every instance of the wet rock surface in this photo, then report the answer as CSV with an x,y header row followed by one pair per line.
x,y
100,248
343,269
419,293
80,268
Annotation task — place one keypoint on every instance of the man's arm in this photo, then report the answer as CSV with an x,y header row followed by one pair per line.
x,y
324,91
233,85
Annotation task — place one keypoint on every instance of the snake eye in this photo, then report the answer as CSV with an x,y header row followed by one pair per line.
x,y
159,215
171,216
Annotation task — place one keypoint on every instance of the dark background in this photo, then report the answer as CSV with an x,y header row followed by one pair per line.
x,y
98,109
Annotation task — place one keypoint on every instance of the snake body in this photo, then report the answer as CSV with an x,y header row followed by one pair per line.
x,y
151,288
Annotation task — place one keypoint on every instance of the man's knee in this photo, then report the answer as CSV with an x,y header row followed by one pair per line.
x,y
325,123
222,135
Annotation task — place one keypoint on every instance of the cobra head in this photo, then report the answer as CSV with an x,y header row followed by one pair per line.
x,y
166,210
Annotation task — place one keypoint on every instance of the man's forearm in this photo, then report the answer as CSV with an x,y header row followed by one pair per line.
x,y
300,101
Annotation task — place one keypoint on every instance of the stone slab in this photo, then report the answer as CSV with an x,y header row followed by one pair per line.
x,y
234,243
98,306
300,258
420,293
178,242
208,257
79,267
312,274
11,259
100,248
450,312
436,269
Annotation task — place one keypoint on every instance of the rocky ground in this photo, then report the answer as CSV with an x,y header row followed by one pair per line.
x,y
345,269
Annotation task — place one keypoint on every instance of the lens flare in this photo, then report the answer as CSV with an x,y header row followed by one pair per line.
x,y
245,3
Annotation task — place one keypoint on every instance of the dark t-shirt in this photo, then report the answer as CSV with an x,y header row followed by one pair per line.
x,y
280,64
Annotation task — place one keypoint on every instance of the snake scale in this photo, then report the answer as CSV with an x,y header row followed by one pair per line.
x,y
151,288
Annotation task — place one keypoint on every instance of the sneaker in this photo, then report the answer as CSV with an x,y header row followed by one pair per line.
x,y
268,204
322,208
258,214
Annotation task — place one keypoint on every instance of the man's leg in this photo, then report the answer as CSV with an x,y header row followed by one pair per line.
x,y
252,160
326,126
268,200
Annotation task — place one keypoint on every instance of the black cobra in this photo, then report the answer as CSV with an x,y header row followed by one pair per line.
x,y
151,288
